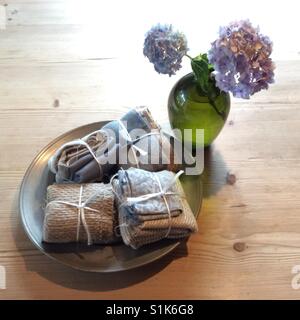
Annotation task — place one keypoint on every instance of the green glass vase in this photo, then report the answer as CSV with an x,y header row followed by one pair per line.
x,y
189,109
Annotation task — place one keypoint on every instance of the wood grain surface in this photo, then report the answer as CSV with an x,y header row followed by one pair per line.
x,y
55,75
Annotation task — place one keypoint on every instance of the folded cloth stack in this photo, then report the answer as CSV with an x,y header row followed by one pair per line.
x,y
152,206
74,161
97,156
80,213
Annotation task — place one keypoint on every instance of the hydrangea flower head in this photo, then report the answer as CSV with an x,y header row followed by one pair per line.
x,y
165,48
241,59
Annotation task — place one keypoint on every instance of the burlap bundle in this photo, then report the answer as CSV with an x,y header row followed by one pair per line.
x,y
63,223
146,221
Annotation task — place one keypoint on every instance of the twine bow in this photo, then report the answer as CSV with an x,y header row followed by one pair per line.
x,y
131,142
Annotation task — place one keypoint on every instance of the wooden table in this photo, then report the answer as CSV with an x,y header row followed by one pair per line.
x,y
53,77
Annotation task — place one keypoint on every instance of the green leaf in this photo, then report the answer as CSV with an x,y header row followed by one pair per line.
x,y
202,70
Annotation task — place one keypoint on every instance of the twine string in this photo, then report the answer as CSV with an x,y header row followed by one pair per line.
x,y
82,142
131,142
163,192
81,206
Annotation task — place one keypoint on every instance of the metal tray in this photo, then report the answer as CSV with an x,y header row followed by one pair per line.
x,y
95,258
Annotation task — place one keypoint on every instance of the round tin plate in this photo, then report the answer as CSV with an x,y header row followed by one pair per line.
x,y
95,258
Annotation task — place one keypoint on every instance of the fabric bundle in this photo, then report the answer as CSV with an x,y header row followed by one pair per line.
x,y
80,213
144,199
94,157
152,206
76,160
134,140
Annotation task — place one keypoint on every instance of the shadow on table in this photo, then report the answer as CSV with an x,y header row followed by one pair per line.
x,y
64,276
214,173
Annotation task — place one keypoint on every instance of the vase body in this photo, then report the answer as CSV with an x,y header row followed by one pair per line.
x,y
188,109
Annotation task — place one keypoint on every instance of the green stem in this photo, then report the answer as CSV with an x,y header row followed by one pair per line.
x,y
211,102
188,56
221,114
202,70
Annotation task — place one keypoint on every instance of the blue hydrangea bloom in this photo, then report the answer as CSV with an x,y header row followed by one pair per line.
x,y
165,48
241,59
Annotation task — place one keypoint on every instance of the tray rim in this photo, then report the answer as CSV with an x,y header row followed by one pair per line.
x,y
25,225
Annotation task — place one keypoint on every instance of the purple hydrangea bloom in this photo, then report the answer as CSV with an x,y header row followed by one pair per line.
x,y
165,48
241,59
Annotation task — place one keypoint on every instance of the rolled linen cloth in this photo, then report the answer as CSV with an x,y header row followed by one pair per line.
x,y
72,160
135,140
152,206
95,156
80,213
